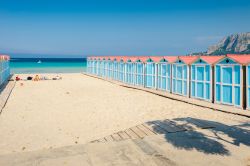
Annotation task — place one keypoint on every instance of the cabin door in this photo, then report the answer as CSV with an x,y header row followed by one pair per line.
x,y
227,81
179,79
200,82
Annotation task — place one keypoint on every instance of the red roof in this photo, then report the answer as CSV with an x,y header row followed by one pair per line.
x,y
131,58
188,59
211,59
241,59
144,58
157,58
4,57
171,59
112,58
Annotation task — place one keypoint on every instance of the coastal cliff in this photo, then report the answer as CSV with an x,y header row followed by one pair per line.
x,y
236,43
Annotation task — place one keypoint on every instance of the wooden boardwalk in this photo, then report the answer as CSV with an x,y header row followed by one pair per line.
x,y
154,128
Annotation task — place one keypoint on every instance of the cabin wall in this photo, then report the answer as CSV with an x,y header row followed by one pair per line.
x,y
227,82
4,71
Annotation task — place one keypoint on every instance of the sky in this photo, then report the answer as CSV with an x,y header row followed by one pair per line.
x,y
76,28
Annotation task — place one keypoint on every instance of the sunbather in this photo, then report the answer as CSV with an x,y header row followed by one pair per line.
x,y
36,78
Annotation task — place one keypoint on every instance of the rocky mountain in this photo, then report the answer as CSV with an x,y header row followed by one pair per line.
x,y
236,43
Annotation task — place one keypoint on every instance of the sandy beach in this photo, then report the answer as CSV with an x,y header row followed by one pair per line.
x,y
78,109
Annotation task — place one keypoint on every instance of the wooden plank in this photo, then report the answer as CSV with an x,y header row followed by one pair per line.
x,y
185,124
199,123
109,138
153,127
145,130
149,128
116,137
176,127
101,140
123,135
94,141
137,131
165,126
192,124
131,134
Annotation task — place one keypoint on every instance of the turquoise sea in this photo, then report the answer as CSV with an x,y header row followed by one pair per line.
x,y
47,65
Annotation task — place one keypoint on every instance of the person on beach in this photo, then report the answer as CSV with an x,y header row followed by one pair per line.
x,y
36,78
18,78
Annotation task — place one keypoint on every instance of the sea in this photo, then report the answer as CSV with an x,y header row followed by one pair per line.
x,y
47,65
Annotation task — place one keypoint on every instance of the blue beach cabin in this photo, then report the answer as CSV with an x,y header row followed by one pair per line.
x,y
163,73
129,70
139,72
4,68
150,72
229,81
115,68
121,69
202,77
180,75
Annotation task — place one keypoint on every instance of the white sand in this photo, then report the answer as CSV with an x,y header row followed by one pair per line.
x,y
79,109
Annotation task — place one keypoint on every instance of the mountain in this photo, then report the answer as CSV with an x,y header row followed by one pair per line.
x,y
233,44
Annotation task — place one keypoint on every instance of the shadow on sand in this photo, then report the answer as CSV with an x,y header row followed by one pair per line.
x,y
196,139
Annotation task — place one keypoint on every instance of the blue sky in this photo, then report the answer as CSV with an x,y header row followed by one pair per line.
x,y
73,28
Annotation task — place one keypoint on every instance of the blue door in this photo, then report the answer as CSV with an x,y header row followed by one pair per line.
x,y
150,75
200,82
179,77
227,89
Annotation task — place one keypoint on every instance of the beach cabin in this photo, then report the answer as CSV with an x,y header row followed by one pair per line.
x,y
229,81
139,72
129,70
94,65
202,77
98,66
114,68
105,67
101,66
170,60
88,65
150,72
4,68
163,73
91,65
180,75
121,69
109,67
